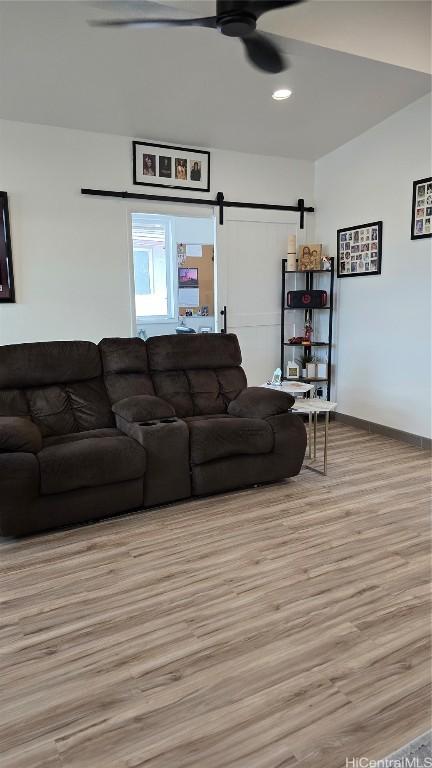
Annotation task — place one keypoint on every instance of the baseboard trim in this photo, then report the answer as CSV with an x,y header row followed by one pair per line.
x,y
381,429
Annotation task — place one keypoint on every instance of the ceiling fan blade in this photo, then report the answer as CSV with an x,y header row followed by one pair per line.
x,y
208,21
263,53
147,7
258,7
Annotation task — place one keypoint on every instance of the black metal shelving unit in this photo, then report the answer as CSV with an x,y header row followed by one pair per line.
x,y
309,313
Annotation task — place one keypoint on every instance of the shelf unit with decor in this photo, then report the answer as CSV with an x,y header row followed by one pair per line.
x,y
309,283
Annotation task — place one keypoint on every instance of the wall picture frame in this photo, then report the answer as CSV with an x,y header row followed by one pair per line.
x,y
7,288
165,165
359,250
310,257
421,211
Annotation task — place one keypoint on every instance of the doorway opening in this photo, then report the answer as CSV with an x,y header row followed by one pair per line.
x,y
173,274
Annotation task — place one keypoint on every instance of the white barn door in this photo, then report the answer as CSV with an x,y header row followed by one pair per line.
x,y
250,246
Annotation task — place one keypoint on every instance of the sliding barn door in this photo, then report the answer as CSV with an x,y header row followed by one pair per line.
x,y
250,246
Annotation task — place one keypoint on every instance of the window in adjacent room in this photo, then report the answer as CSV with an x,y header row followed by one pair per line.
x,y
151,244
164,249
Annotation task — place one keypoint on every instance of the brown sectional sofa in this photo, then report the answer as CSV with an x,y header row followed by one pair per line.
x,y
87,431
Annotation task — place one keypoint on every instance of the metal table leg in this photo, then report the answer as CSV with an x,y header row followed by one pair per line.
x,y
326,425
313,442
310,434
315,433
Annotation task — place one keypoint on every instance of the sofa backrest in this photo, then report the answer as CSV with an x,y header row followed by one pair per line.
x,y
196,373
125,368
57,384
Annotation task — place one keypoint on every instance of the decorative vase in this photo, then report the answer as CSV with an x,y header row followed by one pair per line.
x,y
311,370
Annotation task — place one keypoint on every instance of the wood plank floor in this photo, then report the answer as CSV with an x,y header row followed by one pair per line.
x,y
281,626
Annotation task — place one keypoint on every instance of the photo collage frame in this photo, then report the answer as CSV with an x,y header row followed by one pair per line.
x,y
421,217
359,250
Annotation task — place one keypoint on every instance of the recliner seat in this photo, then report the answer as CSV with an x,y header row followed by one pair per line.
x,y
200,376
76,459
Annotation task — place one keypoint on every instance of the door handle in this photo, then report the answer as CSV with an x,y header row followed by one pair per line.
x,y
224,315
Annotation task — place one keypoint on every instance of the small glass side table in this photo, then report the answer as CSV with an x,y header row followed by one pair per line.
x,y
312,407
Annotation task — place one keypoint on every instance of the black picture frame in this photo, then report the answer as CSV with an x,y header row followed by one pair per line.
x,y
363,254
7,286
423,222
172,152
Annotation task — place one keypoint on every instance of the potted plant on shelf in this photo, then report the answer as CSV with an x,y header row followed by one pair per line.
x,y
311,367
302,363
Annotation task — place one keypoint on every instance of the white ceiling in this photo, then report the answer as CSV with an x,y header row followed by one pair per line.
x,y
394,31
189,86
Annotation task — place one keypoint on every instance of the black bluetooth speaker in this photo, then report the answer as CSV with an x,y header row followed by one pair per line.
x,y
306,299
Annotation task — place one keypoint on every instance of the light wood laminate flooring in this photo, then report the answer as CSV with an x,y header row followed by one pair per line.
x,y
281,626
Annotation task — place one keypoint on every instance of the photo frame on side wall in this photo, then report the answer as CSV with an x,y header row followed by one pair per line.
x,y
359,250
7,290
164,165
421,213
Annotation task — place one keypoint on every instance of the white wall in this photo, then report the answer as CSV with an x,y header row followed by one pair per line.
x,y
70,252
383,338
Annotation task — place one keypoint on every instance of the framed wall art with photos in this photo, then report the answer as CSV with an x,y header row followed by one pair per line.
x,y
359,250
7,292
421,215
163,165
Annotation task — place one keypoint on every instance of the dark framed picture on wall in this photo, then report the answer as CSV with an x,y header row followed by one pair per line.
x,y
163,165
359,250
7,291
421,214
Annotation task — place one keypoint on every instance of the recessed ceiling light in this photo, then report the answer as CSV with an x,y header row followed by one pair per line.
x,y
281,94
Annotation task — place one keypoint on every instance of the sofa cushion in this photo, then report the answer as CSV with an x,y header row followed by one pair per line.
x,y
173,386
201,350
125,367
199,392
48,362
124,355
218,438
59,439
61,409
58,385
19,434
50,410
90,462
13,402
90,405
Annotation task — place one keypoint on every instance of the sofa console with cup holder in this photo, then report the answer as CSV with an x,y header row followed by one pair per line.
x,y
88,431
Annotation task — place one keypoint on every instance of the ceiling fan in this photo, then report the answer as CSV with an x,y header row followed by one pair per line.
x,y
234,18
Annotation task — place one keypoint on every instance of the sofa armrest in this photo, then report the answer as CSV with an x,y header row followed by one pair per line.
x,y
143,408
260,403
289,441
19,435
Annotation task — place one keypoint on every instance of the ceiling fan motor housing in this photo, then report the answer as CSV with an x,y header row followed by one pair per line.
x,y
235,18
237,26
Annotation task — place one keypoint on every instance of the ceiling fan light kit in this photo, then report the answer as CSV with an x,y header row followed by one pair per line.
x,y
234,18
